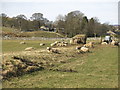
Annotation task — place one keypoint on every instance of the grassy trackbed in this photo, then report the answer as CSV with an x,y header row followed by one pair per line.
x,y
97,69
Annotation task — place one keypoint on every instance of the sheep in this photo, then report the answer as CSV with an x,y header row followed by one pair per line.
x,y
56,42
53,44
29,48
61,44
22,43
113,42
42,44
84,49
104,43
90,44
65,42
71,41
78,47
53,50
119,44
48,48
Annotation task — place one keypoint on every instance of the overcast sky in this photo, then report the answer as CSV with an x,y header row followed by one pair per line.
x,y
106,11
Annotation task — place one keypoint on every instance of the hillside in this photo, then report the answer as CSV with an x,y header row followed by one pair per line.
x,y
11,32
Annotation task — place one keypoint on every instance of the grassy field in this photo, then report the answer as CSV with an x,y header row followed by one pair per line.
x,y
97,69
14,45
16,32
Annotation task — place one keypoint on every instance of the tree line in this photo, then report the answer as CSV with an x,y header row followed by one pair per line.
x,y
75,22
23,24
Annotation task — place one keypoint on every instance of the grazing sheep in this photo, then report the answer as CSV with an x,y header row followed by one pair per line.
x,y
22,43
104,43
61,44
64,44
119,44
78,47
113,42
48,48
71,41
29,48
42,44
56,42
84,49
90,44
53,44
53,50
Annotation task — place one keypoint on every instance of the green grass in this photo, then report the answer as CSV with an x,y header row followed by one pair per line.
x,y
45,34
98,69
14,45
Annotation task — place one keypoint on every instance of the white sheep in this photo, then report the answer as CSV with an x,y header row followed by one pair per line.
x,y
84,49
90,44
78,47
29,48
113,42
61,44
65,42
71,41
56,42
53,50
104,43
52,44
22,43
42,44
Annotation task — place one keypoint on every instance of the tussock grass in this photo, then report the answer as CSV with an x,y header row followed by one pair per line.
x,y
97,69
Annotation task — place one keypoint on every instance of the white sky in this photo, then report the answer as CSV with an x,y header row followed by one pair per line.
x,y
105,11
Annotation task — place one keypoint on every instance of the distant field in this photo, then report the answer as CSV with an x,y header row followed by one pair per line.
x,y
97,69
14,32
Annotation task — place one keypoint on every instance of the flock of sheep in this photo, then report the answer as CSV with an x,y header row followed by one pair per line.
x,y
114,42
84,48
79,49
